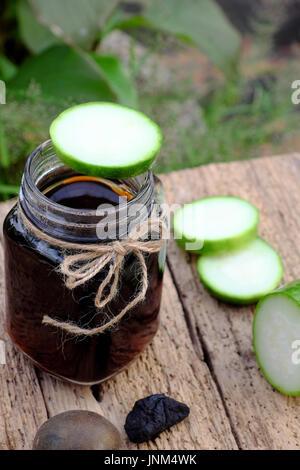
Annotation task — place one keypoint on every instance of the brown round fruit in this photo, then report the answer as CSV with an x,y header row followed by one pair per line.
x,y
78,430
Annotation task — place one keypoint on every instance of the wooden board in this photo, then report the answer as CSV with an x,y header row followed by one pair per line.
x,y
202,354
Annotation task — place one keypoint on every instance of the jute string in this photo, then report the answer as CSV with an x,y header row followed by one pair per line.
x,y
91,259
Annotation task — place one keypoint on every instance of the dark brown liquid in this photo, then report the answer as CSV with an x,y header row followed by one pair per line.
x,y
82,192
34,288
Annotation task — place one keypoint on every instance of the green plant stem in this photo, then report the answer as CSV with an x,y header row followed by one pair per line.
x,y
132,57
7,189
4,153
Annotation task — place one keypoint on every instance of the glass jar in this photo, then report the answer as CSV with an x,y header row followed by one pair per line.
x,y
35,287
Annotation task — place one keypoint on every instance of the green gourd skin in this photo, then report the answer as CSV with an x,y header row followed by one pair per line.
x,y
290,291
218,244
106,143
213,284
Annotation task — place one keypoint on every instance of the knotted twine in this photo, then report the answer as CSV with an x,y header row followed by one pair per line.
x,y
91,259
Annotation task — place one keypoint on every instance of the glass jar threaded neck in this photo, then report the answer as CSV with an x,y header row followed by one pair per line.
x,y
43,168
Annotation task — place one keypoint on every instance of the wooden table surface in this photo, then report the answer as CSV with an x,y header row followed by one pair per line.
x,y
203,352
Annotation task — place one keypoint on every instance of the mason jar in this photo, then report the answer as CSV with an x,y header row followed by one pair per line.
x,y
36,288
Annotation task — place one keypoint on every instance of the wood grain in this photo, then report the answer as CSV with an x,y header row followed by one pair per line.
x,y
261,417
170,365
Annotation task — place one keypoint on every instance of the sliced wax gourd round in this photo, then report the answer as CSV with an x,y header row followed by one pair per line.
x,y
215,224
276,338
241,276
106,139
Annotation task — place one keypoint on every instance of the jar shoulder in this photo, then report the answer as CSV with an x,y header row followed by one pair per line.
x,y
16,234
11,225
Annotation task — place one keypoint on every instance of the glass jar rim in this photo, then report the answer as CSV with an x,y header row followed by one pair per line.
x,y
49,202
60,220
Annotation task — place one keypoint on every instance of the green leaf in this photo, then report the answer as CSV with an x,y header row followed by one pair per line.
x,y
4,154
112,22
7,69
132,22
75,21
199,22
66,73
119,81
36,37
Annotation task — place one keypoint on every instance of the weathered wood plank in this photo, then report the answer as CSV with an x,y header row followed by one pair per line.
x,y
60,396
261,417
169,365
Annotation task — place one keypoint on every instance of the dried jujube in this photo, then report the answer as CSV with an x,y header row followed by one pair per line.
x,y
152,415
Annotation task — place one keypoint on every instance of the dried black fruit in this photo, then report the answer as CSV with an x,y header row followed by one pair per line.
x,y
153,415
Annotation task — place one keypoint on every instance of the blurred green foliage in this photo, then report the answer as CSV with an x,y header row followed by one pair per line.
x,y
50,59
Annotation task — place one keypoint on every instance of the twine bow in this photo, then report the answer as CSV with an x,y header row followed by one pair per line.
x,y
92,259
